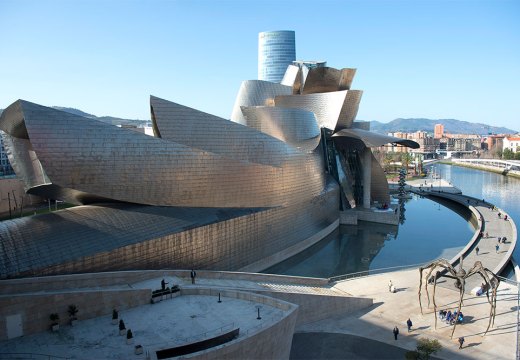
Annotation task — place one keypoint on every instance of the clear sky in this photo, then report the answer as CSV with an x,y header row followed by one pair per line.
x,y
433,59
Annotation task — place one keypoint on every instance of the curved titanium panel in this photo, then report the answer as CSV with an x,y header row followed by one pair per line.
x,y
256,93
326,106
105,161
349,109
371,139
293,78
24,161
129,236
204,131
294,126
379,190
11,121
326,79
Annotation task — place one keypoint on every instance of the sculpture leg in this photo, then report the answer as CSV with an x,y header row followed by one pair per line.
x,y
420,285
434,304
460,306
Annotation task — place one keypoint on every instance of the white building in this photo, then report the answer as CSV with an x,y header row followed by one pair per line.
x,y
512,143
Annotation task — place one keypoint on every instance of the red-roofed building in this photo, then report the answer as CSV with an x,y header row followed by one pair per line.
x,y
512,143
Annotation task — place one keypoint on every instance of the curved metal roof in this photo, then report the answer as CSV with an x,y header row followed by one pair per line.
x,y
371,139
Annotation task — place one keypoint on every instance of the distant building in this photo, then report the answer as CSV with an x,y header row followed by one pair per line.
x,y
438,131
512,143
494,142
276,51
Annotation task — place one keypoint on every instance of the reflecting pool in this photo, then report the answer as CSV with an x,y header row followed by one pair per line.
x,y
430,230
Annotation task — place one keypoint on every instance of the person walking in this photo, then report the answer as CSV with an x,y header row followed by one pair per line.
x,y
497,247
409,324
477,250
461,341
396,332
390,286
193,274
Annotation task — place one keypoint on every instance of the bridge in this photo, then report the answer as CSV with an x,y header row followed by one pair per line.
x,y
506,167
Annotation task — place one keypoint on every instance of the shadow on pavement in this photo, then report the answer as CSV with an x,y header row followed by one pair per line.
x,y
324,346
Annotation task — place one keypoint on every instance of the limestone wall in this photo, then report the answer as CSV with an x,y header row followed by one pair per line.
x,y
35,308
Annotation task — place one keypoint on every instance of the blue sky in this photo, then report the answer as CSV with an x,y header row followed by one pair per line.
x,y
432,59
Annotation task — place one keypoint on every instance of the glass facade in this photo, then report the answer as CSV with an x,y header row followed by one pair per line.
x,y
276,51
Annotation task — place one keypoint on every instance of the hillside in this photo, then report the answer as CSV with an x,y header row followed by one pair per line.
x,y
107,119
405,125
450,125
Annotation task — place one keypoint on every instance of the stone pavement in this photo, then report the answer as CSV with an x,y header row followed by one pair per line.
x,y
490,224
393,309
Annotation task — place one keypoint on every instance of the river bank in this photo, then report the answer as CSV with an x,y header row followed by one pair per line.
x,y
482,167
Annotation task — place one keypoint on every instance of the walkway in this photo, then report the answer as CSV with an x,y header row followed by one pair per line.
x,y
393,309
490,227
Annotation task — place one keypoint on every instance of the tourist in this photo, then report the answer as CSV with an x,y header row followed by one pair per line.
x,y
477,250
461,341
497,247
505,218
409,324
499,239
163,284
193,274
396,332
390,285
442,314
504,240
487,235
499,215
448,317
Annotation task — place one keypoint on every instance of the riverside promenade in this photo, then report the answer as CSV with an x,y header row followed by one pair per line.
x,y
491,224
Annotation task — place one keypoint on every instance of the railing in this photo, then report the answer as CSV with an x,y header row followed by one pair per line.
x,y
180,341
373,272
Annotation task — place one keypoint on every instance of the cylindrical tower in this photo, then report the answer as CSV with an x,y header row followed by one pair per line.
x,y
276,51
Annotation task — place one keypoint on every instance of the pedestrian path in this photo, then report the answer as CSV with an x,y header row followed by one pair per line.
x,y
393,309
493,224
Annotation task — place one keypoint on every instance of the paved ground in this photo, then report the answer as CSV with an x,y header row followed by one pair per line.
x,y
169,323
494,226
312,346
393,309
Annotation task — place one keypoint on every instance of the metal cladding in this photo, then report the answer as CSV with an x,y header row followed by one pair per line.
x,y
370,139
293,126
349,109
326,79
203,131
205,192
293,76
326,106
122,165
256,93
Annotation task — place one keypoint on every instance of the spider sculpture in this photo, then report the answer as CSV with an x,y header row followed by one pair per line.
x,y
491,282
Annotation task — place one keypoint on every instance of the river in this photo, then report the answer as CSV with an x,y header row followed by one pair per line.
x,y
430,230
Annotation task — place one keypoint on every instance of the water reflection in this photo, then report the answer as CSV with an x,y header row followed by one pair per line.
x,y
431,230
348,249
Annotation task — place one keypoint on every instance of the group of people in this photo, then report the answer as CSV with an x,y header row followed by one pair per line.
x,y
451,317
408,325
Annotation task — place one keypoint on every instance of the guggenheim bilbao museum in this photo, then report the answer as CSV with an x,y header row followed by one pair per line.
x,y
204,192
